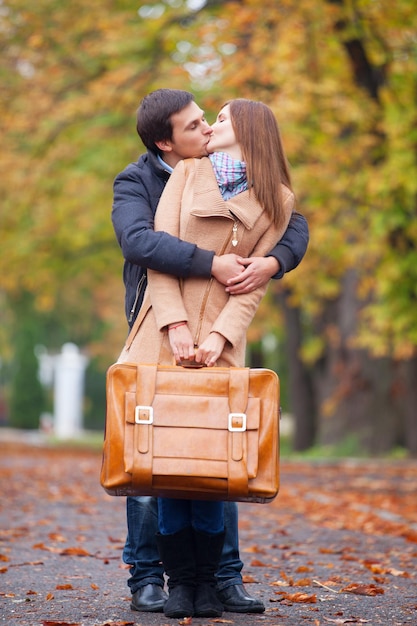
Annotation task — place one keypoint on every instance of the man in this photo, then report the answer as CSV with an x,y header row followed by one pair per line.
x,y
173,127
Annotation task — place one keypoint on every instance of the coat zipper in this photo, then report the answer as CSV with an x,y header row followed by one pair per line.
x,y
138,293
209,284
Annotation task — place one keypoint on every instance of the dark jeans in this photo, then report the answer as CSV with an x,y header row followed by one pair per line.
x,y
176,515
141,552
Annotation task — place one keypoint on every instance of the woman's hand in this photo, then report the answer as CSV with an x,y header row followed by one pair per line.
x,y
181,341
210,350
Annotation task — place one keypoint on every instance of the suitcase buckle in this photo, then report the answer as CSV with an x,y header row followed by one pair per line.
x,y
237,422
143,414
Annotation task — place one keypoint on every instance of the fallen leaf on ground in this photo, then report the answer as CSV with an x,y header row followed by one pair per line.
x,y
279,583
363,590
57,537
256,549
248,579
74,552
42,546
118,624
26,563
54,623
348,620
397,572
303,582
327,585
299,597
303,568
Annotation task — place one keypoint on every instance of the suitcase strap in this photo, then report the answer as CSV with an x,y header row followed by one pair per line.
x,y
145,386
238,400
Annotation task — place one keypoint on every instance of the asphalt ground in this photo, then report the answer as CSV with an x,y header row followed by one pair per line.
x,y
337,546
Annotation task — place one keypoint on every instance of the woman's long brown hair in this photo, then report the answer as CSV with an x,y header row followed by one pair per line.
x,y
257,132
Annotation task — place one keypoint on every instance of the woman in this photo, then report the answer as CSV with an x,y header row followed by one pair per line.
x,y
210,202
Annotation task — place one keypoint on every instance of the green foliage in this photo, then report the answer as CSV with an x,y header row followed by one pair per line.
x,y
27,399
95,396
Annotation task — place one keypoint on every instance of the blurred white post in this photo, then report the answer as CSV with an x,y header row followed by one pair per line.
x,y
70,367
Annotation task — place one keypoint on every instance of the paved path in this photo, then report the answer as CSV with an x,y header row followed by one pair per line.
x,y
338,545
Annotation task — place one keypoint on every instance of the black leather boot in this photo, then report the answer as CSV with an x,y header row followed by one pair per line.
x,y
177,555
208,549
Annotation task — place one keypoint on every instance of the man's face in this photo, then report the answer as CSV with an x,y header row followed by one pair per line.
x,y
190,135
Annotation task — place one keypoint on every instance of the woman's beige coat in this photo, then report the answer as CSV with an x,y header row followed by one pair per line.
x,y
192,208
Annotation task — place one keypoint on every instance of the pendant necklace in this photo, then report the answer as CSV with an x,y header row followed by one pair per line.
x,y
234,234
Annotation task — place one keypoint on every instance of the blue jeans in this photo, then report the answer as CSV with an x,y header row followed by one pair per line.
x,y
141,552
176,515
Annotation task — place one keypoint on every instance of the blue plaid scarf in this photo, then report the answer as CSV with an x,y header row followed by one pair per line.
x,y
230,174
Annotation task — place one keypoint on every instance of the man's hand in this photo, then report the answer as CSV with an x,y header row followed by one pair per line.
x,y
255,272
226,267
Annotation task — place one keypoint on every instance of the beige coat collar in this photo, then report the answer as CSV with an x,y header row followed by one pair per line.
x,y
207,190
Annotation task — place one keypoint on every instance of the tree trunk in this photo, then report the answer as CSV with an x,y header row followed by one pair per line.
x,y
409,401
356,392
300,388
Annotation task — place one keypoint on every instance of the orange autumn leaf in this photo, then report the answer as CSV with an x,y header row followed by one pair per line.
x,y
410,535
300,597
255,549
280,583
347,620
397,572
248,579
375,568
74,552
42,546
118,624
62,587
55,623
57,537
363,590
303,582
49,596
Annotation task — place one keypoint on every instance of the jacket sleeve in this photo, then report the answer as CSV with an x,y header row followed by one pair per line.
x,y
291,249
133,222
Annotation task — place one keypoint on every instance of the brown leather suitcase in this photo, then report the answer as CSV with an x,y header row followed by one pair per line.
x,y
209,433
